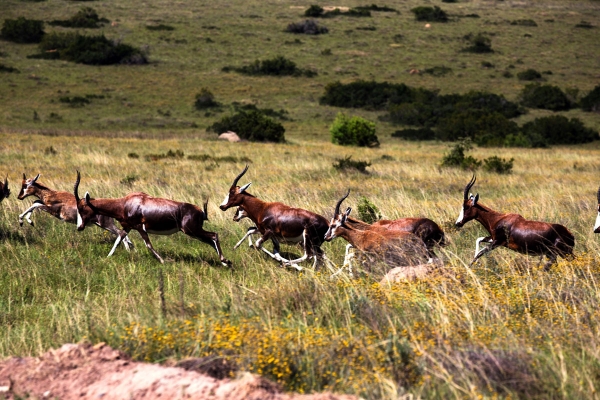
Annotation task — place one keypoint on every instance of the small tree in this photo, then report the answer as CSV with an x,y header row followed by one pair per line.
x,y
591,101
354,131
547,97
251,125
205,99
456,157
367,211
23,30
431,14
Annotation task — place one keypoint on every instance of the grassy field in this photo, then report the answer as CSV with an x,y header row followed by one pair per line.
x,y
502,329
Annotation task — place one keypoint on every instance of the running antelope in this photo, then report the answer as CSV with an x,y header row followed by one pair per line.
x,y
239,215
147,214
393,246
514,231
279,223
60,205
4,190
596,225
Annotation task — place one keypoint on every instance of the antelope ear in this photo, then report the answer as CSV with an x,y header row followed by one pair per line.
x,y
36,178
345,215
475,199
246,186
24,177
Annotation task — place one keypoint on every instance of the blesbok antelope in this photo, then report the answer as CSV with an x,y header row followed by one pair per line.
x,y
239,215
4,190
515,232
279,223
392,246
597,224
427,230
147,214
60,205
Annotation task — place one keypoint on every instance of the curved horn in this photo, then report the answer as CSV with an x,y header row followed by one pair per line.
x,y
599,195
24,177
339,203
237,178
468,187
206,210
76,187
6,189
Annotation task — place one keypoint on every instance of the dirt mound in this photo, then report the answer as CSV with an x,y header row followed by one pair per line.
x,y
83,371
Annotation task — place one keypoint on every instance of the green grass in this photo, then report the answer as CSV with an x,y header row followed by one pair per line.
x,y
503,328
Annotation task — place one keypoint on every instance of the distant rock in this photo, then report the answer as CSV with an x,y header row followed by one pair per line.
x,y
230,137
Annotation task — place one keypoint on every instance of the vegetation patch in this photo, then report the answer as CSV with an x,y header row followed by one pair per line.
x,y
584,25
456,158
430,14
558,129
529,75
23,30
251,125
224,159
483,128
344,164
591,101
479,44
205,99
278,66
498,165
4,68
546,97
177,154
438,71
87,17
376,8
353,131
316,11
415,134
524,22
75,101
308,27
160,27
93,50
368,211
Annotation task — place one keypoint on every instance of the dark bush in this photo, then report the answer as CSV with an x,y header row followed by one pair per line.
x,y
479,44
529,75
348,163
205,99
528,139
160,27
584,24
546,97
366,94
415,134
354,131
591,101
557,129
437,70
314,11
177,154
524,22
75,101
93,50
498,165
251,125
456,157
430,14
87,17
4,68
483,128
23,30
367,211
269,112
375,7
278,66
308,27
487,64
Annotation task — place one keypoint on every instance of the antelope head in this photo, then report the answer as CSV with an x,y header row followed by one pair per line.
x,y
85,209
235,196
468,210
27,187
597,224
338,220
240,214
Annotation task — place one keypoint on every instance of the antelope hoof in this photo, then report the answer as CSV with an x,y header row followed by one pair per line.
x,y
20,222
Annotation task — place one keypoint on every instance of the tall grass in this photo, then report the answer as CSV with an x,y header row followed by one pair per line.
x,y
503,327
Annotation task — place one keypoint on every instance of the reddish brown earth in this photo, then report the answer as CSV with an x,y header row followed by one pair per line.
x,y
83,371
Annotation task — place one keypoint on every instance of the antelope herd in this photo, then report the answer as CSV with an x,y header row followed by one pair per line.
x,y
401,242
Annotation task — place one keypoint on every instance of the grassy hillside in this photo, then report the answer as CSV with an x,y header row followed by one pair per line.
x,y
504,328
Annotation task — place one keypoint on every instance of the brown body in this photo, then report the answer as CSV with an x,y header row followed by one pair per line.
x,y
394,247
515,232
147,214
278,222
61,205
4,190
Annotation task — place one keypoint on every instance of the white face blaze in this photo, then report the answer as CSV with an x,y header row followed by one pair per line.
x,y
333,225
597,224
224,203
461,216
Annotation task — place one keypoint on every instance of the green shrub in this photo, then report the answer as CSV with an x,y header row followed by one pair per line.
x,y
557,129
177,154
251,125
75,101
93,50
524,22
87,17
314,11
591,101
354,131
498,165
366,94
415,134
308,27
23,30
483,128
4,68
375,7
478,44
278,66
269,112
546,97
367,211
585,25
430,14
348,163
456,157
529,75
437,71
205,99
160,27
528,139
